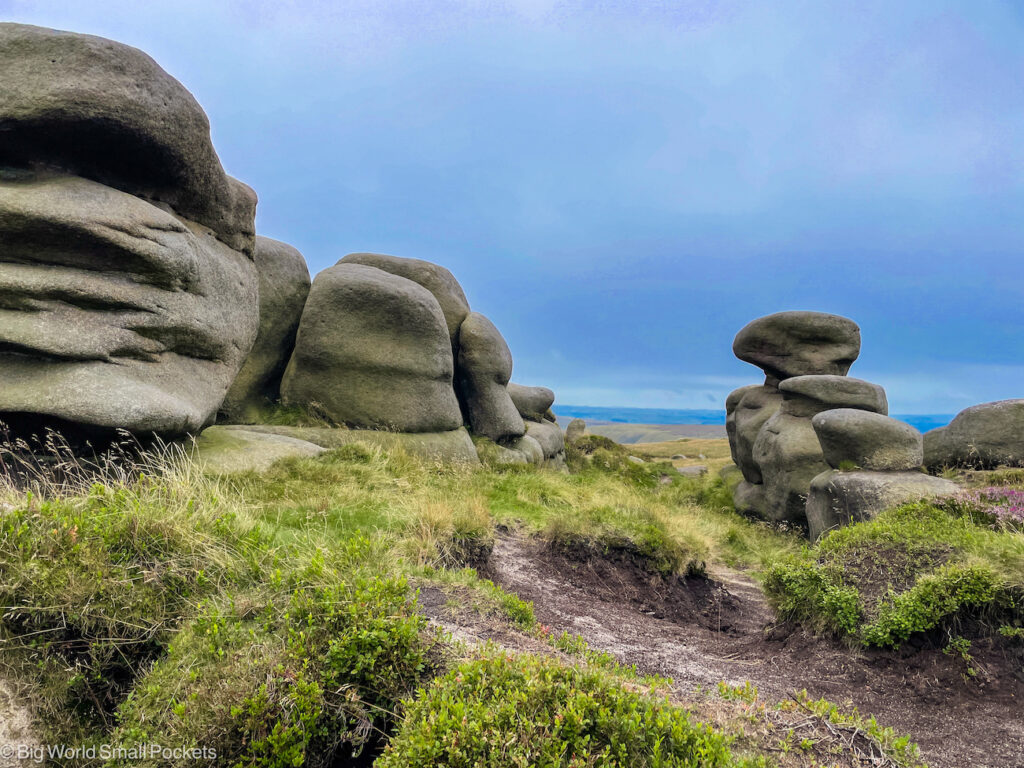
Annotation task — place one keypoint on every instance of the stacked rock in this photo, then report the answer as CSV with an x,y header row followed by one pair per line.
x,y
875,464
980,437
785,346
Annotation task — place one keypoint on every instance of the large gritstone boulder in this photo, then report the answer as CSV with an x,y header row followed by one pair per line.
x,y
373,351
128,294
840,498
982,436
867,441
551,440
436,279
484,369
787,450
798,344
284,286
532,402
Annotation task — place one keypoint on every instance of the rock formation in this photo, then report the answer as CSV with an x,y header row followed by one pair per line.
x,y
284,286
875,464
981,437
533,403
576,429
373,351
484,370
128,293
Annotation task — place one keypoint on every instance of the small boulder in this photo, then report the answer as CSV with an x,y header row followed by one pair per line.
x,y
576,429
868,440
636,460
982,436
551,439
520,450
840,498
808,395
531,402
484,368
790,344
229,449
696,470
373,351
284,286
435,278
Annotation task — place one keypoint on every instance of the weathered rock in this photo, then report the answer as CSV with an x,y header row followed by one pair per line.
x,y
799,343
749,499
757,405
454,446
731,403
436,279
576,429
127,288
731,476
283,288
225,450
373,351
551,440
867,440
531,402
982,436
839,498
484,368
636,460
115,313
106,111
808,395
787,450
520,450
696,470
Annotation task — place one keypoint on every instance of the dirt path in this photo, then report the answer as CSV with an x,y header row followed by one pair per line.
x,y
700,632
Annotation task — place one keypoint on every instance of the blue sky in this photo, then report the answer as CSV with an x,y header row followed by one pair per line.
x,y
622,186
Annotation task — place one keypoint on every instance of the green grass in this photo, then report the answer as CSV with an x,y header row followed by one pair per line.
x,y
912,570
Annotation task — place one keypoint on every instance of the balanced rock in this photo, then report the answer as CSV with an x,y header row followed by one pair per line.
x,y
787,449
284,286
484,369
840,498
373,351
790,344
128,294
867,440
531,402
756,406
982,436
436,279
576,429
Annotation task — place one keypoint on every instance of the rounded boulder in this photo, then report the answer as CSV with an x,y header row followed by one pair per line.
x,y
868,440
789,344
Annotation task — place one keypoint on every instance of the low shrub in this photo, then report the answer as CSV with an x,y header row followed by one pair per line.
x,y
505,711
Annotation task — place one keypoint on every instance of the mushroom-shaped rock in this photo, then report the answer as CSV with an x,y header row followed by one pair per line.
x,y
840,498
531,402
128,294
790,344
787,450
485,366
982,436
436,279
576,429
867,440
373,351
755,407
284,286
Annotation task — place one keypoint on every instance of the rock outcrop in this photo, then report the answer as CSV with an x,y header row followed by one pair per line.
x,y
484,370
283,288
373,351
981,437
129,294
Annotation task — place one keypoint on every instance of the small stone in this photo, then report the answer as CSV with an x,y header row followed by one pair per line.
x,y
636,460
696,470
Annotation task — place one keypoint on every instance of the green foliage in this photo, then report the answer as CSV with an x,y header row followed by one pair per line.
x,y
506,711
910,571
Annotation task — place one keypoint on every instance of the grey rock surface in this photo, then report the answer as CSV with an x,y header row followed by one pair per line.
x,y
695,470
808,395
373,351
576,429
749,499
982,436
731,403
551,440
482,376
790,344
283,289
531,402
841,498
435,278
226,450
757,405
868,440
